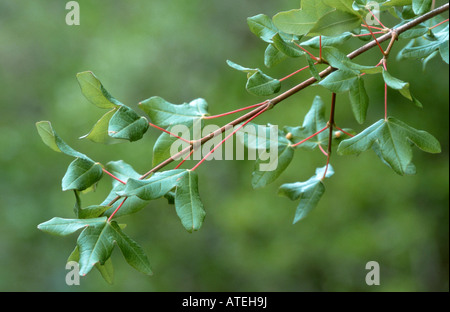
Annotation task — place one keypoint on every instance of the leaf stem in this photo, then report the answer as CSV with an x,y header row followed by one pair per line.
x,y
373,27
320,47
113,176
117,209
168,132
376,18
322,150
349,134
292,74
235,111
373,36
309,53
374,33
385,91
185,158
439,24
310,137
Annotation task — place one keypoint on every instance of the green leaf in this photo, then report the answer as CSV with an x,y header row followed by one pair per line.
x,y
258,83
260,137
313,122
397,84
274,152
165,114
418,52
327,40
81,174
335,23
428,58
339,81
262,26
425,49
393,137
162,147
122,170
409,170
188,205
158,185
92,211
273,56
397,2
99,133
89,212
415,32
95,244
94,91
133,252
287,47
262,84
106,269
127,124
359,100
338,59
52,140
261,178
63,227
312,68
421,6
133,204
300,21
341,5
443,50
248,71
309,192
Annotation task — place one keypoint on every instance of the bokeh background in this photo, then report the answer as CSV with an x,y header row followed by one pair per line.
x,y
177,49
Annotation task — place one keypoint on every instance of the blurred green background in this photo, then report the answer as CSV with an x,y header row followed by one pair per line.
x,y
177,49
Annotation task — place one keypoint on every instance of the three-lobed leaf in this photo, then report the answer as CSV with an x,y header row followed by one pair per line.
x,y
393,139
96,242
309,192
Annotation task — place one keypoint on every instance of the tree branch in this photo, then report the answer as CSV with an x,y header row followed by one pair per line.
x,y
267,105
